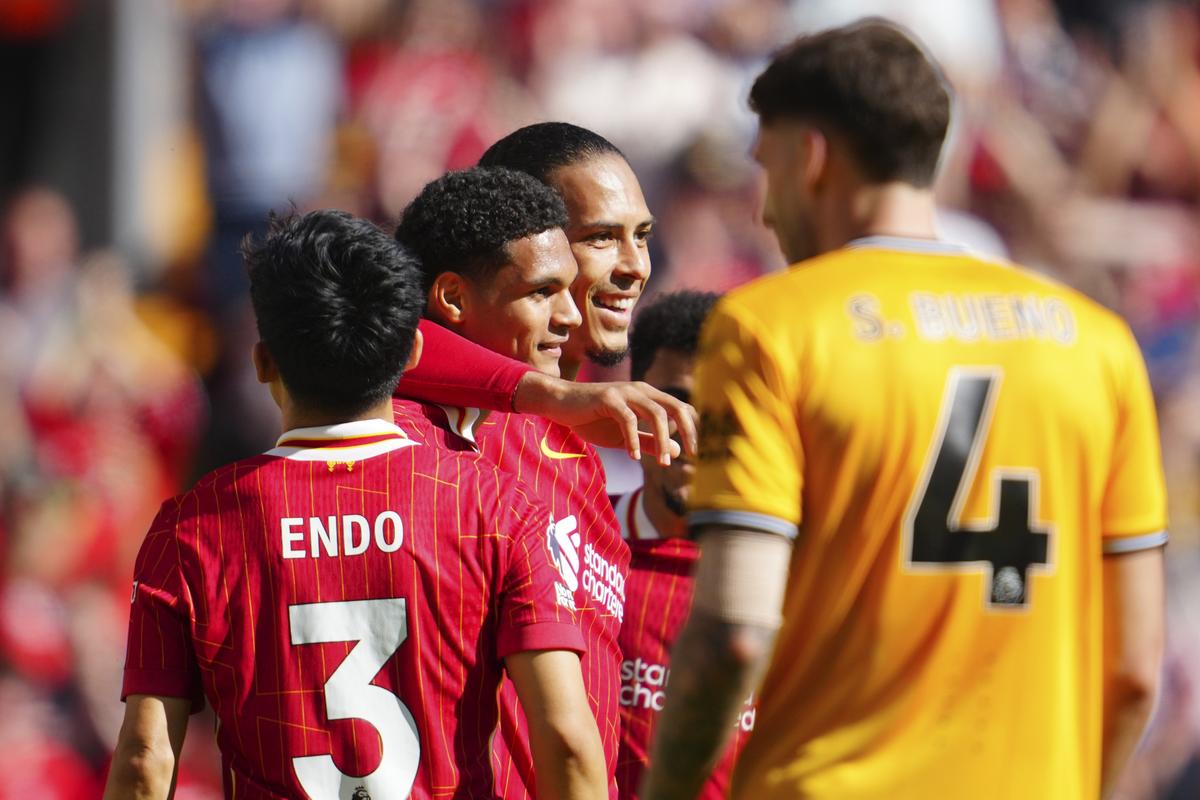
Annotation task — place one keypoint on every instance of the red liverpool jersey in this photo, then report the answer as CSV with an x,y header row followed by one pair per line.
x,y
563,471
344,602
658,598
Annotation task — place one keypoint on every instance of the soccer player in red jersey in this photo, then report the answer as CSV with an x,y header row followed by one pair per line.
x,y
608,228
658,593
487,284
346,601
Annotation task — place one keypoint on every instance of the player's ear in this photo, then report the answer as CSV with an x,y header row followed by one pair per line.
x,y
418,347
814,155
264,366
448,298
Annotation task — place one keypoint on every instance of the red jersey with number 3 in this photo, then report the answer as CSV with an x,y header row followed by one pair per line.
x,y
658,599
344,602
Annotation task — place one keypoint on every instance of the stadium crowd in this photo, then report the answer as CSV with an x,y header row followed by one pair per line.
x,y
1077,152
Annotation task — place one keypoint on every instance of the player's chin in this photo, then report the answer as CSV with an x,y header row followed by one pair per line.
x,y
608,349
546,363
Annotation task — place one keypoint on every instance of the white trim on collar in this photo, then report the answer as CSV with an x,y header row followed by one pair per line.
x,y
908,244
342,447
463,421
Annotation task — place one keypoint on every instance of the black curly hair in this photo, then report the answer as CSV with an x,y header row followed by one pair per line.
x,y
541,148
463,221
671,322
337,303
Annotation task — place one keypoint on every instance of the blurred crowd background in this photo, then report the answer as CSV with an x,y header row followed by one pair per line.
x,y
140,140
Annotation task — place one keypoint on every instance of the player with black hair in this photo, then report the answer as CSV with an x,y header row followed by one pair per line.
x,y
301,591
658,594
499,271
609,229
544,147
496,263
340,331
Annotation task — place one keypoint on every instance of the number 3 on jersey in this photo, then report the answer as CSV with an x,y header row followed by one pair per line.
x,y
1007,545
379,627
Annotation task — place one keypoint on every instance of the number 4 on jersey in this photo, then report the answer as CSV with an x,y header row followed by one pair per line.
x,y
934,534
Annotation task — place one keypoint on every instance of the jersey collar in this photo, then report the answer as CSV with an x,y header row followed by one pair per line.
x,y
637,521
343,442
461,421
907,244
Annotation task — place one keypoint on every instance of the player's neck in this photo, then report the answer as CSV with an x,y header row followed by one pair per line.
x,y
296,417
667,523
568,368
891,209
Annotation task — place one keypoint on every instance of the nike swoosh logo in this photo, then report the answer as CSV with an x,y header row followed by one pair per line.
x,y
554,454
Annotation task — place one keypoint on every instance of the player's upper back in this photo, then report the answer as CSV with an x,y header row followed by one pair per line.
x,y
871,348
353,534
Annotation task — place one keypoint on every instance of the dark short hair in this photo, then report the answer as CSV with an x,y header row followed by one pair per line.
x,y
870,83
540,149
337,303
671,322
464,221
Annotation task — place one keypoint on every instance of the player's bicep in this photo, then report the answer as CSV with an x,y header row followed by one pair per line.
x,y
1133,511
751,459
1134,618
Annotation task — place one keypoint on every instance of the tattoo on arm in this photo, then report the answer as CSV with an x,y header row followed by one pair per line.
x,y
715,666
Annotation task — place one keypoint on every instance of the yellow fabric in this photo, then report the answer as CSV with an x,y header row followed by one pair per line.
x,y
824,392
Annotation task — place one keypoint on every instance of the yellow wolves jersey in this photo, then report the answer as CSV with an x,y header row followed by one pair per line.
x,y
954,444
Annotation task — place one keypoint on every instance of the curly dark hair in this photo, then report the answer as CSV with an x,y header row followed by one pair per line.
x,y
337,303
463,221
870,83
671,322
541,148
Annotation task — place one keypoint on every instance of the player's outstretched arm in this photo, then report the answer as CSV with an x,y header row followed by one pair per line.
x,y
607,414
147,754
568,757
719,658
1133,649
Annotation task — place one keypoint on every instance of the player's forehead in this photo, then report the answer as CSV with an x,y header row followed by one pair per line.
x,y
602,189
539,258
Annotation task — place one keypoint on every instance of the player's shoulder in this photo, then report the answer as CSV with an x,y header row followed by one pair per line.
x,y
219,491
1080,313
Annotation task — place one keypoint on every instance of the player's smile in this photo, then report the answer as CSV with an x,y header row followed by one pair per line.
x,y
614,311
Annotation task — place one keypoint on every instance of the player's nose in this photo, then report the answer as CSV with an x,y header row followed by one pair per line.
x,y
565,313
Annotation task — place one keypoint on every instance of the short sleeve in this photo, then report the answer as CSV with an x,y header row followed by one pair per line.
x,y
1134,510
537,611
750,466
159,658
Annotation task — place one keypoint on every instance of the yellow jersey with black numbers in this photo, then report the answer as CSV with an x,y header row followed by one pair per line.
x,y
954,444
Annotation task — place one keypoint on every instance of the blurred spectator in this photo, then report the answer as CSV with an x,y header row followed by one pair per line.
x,y
267,101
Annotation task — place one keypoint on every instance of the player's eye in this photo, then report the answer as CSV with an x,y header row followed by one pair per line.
x,y
601,237
643,236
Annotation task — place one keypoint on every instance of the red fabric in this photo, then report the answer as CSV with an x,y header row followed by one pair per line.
x,y
215,602
593,563
457,372
658,598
